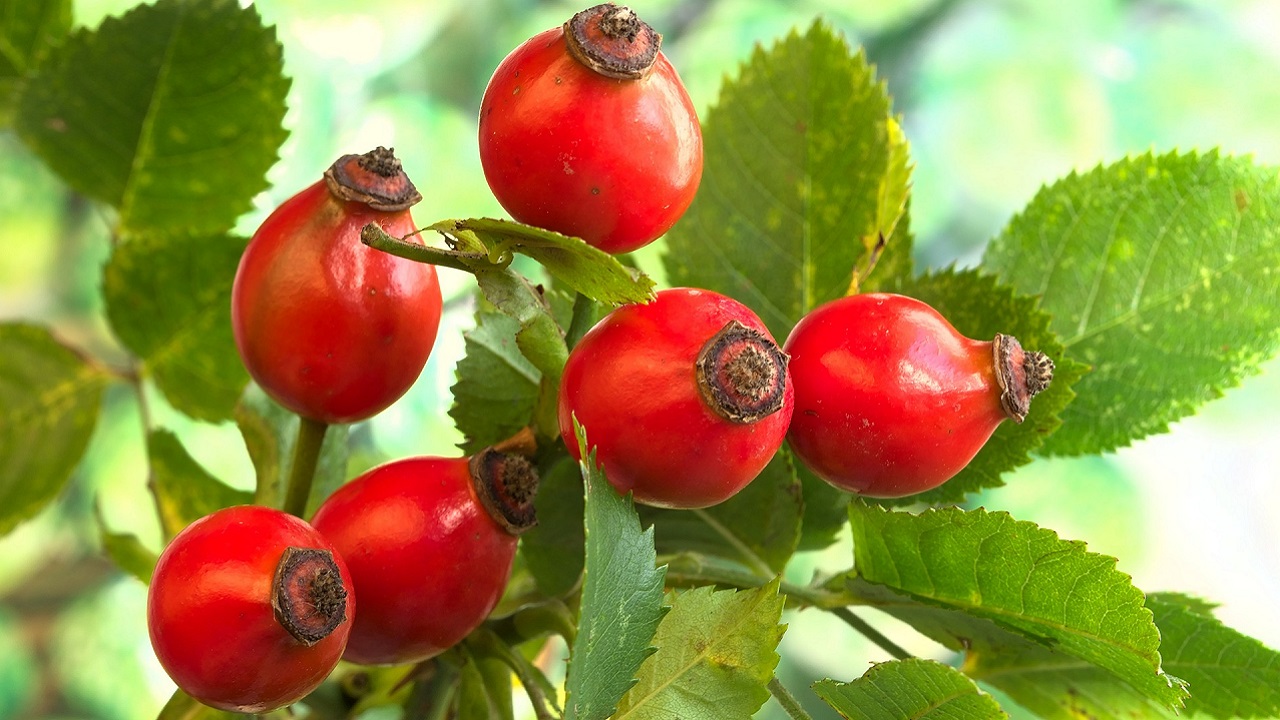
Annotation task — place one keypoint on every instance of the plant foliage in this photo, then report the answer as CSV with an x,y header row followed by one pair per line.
x,y
1151,281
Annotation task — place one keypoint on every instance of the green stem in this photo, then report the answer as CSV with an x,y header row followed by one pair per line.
x,y
134,377
378,239
432,698
870,633
584,314
787,700
306,456
552,617
685,571
486,643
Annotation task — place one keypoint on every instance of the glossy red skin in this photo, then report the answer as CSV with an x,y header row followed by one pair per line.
x,y
890,399
210,618
332,329
632,384
428,562
614,162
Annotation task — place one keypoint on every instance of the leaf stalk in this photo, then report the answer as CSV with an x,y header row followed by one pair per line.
x,y
875,636
306,457
787,700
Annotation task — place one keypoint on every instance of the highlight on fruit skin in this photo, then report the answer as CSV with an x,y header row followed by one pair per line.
x,y
891,400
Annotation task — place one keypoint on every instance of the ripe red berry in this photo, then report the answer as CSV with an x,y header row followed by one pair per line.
x,y
330,328
891,400
249,609
587,130
686,398
429,542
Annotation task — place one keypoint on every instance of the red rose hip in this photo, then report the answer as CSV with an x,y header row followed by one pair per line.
x,y
330,328
249,609
587,130
685,399
891,400
429,542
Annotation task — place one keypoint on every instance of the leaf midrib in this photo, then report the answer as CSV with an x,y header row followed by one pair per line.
x,y
144,145
57,395
525,370
1007,615
1159,300
742,619
20,61
757,563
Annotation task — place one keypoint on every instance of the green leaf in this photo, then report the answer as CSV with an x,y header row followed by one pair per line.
x,y
1231,675
170,113
584,268
555,548
263,425
269,433
1056,686
126,550
978,307
129,554
1159,273
498,390
891,211
758,528
49,403
915,688
621,598
169,301
473,699
539,338
184,491
895,265
497,386
484,690
183,707
716,654
826,510
986,583
1199,606
485,644
29,29
797,178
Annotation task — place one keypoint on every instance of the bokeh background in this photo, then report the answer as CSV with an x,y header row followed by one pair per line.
x,y
998,97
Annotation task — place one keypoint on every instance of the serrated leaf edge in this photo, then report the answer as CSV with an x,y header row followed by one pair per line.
x,y
1077,545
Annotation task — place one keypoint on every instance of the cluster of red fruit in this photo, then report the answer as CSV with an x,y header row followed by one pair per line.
x,y
585,130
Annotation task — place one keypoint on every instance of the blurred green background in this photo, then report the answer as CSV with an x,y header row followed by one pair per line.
x,y
997,97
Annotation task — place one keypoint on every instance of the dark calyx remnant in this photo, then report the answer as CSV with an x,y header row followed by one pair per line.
x,y
613,41
506,485
375,178
307,596
1021,375
742,374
